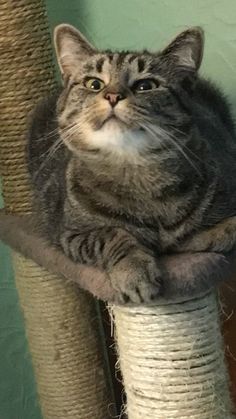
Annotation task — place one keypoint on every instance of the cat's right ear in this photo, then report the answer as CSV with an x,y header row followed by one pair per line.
x,y
71,48
186,49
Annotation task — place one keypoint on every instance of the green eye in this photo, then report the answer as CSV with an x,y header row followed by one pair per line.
x,y
145,84
94,84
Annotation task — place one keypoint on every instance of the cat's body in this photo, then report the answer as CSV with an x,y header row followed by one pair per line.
x,y
161,179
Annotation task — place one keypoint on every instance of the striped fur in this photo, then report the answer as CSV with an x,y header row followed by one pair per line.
x,y
157,177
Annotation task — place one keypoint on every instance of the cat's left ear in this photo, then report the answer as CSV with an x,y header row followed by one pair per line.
x,y
71,48
187,49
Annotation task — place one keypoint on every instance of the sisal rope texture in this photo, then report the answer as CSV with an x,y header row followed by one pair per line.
x,y
171,355
61,320
172,360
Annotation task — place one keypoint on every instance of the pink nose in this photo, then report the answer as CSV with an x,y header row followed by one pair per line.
x,y
113,98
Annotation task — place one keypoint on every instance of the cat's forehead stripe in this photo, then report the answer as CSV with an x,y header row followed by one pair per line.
x,y
99,64
139,61
110,57
141,65
104,63
121,58
132,58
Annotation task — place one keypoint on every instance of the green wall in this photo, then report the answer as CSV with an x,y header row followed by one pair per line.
x,y
114,24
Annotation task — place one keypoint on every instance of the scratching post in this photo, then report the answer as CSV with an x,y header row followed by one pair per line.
x,y
171,354
172,360
60,319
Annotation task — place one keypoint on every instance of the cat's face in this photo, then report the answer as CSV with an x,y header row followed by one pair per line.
x,y
123,102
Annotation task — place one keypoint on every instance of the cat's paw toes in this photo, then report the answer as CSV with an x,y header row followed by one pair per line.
x,y
137,280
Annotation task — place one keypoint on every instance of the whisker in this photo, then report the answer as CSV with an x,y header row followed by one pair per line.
x,y
188,149
164,135
153,135
48,135
55,147
141,110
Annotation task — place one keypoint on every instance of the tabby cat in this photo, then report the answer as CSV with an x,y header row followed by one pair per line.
x,y
134,158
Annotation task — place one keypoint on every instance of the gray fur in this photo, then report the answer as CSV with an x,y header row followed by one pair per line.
x,y
157,178
207,269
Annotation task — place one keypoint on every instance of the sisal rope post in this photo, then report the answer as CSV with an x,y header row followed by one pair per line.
x,y
172,360
61,320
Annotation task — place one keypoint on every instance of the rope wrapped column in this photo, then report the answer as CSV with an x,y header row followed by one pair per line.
x,y
61,321
172,360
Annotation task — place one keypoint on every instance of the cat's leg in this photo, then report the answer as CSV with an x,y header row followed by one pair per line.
x,y
188,274
133,272
219,238
203,261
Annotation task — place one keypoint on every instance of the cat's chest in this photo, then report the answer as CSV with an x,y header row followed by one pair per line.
x,y
129,191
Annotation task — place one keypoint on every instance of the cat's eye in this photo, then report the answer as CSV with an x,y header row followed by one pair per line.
x,y
94,84
145,84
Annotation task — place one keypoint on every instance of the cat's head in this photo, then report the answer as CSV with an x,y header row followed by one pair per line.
x,y
124,101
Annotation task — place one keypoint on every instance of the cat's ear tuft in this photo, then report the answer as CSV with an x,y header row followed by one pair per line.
x,y
71,48
187,48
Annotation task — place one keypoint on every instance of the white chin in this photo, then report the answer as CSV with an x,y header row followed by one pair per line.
x,y
117,137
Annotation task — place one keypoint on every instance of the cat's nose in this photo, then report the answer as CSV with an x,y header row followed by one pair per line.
x,y
113,98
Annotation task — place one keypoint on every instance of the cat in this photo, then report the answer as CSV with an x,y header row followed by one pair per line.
x,y
132,159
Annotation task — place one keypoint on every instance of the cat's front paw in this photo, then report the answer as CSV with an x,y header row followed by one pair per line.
x,y
136,278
